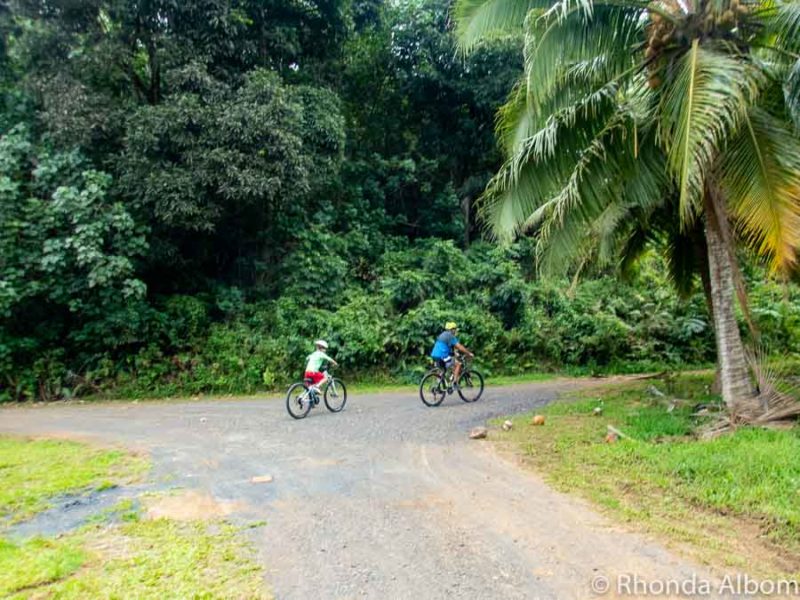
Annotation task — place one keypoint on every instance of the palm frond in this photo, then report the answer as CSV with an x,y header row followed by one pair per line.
x,y
781,26
633,246
701,106
478,19
760,174
682,260
607,198
515,122
568,52
583,74
791,94
595,180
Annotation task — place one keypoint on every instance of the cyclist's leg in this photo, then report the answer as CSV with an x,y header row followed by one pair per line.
x,y
447,364
314,378
456,371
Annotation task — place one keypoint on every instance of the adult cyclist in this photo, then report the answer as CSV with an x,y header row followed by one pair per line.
x,y
442,352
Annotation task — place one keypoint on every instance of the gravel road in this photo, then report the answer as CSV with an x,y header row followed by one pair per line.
x,y
388,499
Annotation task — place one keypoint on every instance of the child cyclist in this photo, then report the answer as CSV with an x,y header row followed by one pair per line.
x,y
314,364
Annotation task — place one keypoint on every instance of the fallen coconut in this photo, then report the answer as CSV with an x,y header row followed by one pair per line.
x,y
612,438
478,433
538,420
507,425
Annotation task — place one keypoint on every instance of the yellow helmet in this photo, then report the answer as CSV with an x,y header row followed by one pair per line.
x,y
450,325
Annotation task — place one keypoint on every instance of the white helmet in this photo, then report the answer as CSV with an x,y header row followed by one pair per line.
x,y
322,343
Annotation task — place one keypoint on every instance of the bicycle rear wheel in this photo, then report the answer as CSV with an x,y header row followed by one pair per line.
x,y
470,386
335,395
298,401
432,389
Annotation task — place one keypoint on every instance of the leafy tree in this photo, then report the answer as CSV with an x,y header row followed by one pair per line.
x,y
227,174
138,39
627,107
67,257
430,158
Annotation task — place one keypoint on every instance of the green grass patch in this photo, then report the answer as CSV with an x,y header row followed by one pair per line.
x,y
699,492
373,382
37,563
368,386
32,472
499,380
139,559
372,387
130,558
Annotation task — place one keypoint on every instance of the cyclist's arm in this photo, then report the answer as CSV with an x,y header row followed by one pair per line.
x,y
330,360
461,348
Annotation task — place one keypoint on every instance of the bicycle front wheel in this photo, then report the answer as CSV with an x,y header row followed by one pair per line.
x,y
432,389
335,395
470,386
298,401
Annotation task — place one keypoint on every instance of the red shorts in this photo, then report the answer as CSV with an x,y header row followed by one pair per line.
x,y
315,376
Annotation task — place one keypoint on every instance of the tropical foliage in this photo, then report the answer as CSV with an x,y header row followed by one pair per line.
x,y
190,191
673,120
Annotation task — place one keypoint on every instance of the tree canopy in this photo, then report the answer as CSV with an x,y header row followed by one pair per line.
x,y
192,190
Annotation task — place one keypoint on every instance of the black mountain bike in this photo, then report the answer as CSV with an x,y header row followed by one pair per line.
x,y
302,396
438,383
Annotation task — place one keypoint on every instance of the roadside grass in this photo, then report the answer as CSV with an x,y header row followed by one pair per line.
x,y
733,501
500,380
32,472
378,381
35,563
161,558
355,387
370,387
118,554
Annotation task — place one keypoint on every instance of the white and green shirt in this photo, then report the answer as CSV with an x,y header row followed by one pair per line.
x,y
315,361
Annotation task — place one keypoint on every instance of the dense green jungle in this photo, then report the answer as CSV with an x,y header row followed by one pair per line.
x,y
192,191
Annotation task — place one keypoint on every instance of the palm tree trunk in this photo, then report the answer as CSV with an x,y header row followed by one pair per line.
x,y
737,388
701,255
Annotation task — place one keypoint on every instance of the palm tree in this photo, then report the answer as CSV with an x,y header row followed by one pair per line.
x,y
631,115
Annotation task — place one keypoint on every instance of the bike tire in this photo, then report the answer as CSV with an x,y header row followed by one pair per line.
x,y
432,382
295,405
470,386
335,395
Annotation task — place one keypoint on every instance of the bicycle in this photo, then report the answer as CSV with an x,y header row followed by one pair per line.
x,y
301,396
438,383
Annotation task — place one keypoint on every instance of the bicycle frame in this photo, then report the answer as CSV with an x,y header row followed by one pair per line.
x,y
457,358
444,381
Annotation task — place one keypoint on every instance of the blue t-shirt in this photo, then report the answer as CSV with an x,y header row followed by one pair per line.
x,y
444,345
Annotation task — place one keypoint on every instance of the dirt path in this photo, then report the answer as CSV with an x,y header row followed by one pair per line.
x,y
388,499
